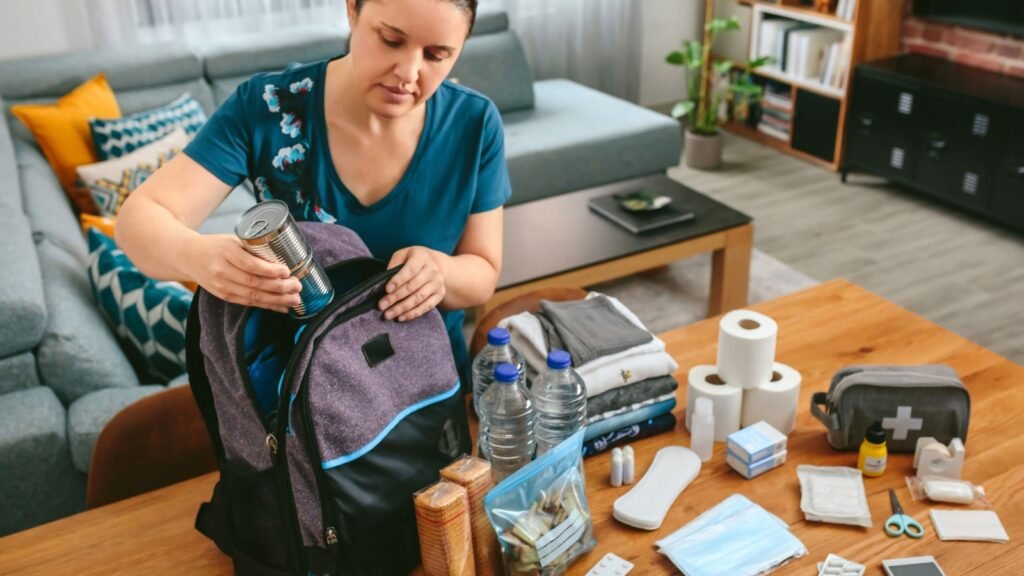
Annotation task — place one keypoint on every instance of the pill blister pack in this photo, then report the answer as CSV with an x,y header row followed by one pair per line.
x,y
611,565
839,566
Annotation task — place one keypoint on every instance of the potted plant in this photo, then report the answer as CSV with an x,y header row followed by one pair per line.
x,y
706,94
744,92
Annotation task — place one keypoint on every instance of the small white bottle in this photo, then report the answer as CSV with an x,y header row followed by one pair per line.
x,y
628,465
616,479
702,431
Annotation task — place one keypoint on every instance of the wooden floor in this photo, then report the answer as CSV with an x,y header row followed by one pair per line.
x,y
958,271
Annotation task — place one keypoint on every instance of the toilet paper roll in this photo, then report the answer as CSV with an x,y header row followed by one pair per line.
x,y
705,382
746,348
775,401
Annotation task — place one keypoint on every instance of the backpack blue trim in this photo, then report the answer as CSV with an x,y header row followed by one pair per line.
x,y
335,462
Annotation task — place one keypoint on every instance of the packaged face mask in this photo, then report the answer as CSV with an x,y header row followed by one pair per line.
x,y
736,537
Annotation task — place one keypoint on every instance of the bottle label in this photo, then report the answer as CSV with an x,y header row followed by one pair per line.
x,y
876,465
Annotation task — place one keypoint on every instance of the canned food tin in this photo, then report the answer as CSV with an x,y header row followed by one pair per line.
x,y
268,231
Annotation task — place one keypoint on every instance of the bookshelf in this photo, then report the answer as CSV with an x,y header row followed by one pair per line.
x,y
817,108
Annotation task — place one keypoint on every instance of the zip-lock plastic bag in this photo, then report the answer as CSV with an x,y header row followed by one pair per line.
x,y
540,512
939,489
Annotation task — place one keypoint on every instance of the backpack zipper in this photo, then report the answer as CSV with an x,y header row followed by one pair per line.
x,y
283,475
327,510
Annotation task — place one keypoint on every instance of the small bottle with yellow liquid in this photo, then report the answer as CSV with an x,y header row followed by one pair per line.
x,y
873,453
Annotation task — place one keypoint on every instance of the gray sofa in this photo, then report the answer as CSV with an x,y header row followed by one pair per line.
x,y
62,372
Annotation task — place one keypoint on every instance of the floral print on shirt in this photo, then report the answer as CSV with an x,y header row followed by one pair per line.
x,y
290,181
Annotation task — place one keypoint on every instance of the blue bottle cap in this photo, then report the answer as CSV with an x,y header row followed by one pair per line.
x,y
559,360
497,336
506,372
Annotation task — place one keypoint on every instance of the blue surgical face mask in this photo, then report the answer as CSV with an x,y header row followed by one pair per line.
x,y
735,537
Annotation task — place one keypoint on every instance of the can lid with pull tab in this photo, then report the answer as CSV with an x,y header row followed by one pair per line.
x,y
262,219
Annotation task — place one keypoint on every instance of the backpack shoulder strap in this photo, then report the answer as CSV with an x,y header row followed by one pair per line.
x,y
197,379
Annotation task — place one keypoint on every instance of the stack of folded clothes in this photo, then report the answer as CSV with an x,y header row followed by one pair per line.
x,y
628,374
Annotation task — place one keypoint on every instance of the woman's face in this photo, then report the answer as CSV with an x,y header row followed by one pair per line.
x,y
402,50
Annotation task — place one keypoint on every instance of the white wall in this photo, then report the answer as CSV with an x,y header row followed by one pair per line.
x,y
664,25
34,27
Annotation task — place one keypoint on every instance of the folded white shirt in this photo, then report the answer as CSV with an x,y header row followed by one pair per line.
x,y
648,360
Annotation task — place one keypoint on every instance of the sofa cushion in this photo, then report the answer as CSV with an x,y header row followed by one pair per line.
x,y
90,413
223,219
229,62
114,138
148,316
22,307
18,372
142,66
143,99
576,137
48,209
61,130
110,182
495,65
79,353
38,483
489,20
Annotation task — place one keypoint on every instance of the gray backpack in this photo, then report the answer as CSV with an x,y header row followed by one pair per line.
x,y
325,428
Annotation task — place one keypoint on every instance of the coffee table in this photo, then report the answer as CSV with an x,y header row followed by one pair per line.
x,y
820,330
558,241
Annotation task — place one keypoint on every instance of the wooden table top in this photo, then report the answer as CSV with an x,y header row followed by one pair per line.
x,y
559,234
820,330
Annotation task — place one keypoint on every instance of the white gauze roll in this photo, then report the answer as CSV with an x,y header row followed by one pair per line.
x,y
727,400
775,401
746,348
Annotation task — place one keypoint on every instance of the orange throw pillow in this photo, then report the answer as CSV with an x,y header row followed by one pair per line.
x,y
106,224
62,131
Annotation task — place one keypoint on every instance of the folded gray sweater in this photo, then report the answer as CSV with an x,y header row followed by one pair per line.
x,y
588,329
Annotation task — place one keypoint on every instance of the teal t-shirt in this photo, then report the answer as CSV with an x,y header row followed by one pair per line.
x,y
272,131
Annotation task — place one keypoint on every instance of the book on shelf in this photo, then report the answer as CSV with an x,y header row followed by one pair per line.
x,y
777,98
846,9
784,116
783,112
843,63
807,51
828,71
777,123
773,132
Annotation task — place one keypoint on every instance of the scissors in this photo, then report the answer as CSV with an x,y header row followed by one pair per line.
x,y
899,523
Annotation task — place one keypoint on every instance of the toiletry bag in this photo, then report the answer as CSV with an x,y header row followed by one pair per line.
x,y
910,402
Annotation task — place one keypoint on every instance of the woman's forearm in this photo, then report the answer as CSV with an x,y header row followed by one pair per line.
x,y
469,280
154,240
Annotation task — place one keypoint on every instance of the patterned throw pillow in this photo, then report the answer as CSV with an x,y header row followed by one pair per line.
x,y
111,181
148,316
114,138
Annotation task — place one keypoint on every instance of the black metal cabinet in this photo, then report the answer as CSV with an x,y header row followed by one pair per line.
x,y
880,128
1008,198
946,130
957,150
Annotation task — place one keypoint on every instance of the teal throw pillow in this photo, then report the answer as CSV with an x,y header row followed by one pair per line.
x,y
148,316
116,137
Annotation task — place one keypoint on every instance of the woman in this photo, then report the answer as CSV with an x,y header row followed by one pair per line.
x,y
376,141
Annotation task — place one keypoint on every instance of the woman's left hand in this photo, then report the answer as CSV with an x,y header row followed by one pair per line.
x,y
417,288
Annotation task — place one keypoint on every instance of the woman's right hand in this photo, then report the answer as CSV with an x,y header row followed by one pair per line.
x,y
222,266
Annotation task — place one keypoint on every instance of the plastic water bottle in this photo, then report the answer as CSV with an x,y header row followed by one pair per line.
x,y
561,398
506,423
498,350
